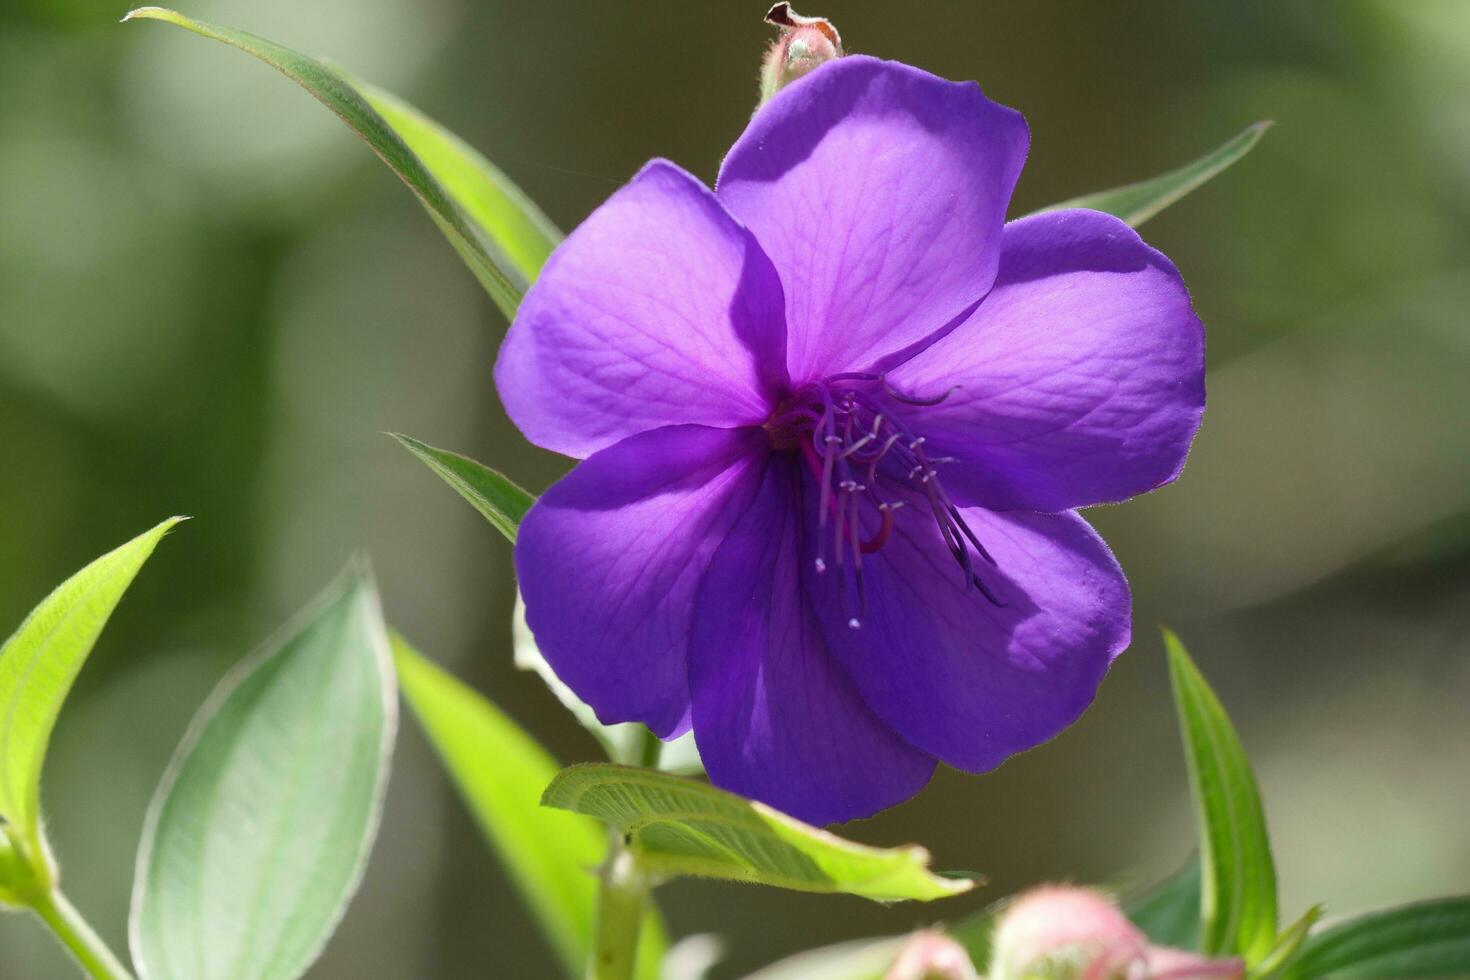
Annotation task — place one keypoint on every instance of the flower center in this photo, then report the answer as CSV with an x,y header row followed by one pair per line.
x,y
863,456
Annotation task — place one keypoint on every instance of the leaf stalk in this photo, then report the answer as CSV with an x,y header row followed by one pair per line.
x,y
622,898
80,939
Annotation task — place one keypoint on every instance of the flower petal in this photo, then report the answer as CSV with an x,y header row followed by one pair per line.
x,y
1080,379
879,191
957,677
609,560
774,716
659,309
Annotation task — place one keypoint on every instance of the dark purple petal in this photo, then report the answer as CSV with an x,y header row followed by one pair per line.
x,y
1081,377
957,677
774,716
609,560
879,192
659,309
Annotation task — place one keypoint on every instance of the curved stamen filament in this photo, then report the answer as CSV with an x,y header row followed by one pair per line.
x,y
854,444
917,400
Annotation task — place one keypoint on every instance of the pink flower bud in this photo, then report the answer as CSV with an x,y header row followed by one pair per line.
x,y
1175,964
804,43
931,956
1066,933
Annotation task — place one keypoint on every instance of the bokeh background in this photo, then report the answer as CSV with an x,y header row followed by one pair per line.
x,y
214,301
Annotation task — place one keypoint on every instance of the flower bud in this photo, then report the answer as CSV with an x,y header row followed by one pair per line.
x,y
803,44
1065,933
1068,934
931,956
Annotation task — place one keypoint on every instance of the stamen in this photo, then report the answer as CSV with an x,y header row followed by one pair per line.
x,y
885,528
855,443
916,400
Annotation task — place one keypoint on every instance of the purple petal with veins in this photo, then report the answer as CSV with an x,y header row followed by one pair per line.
x,y
836,417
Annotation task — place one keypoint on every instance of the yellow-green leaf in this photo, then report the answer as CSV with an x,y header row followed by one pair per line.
x,y
38,665
491,223
500,771
677,826
511,219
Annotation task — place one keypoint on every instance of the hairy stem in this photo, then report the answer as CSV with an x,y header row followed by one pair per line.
x,y
78,937
622,897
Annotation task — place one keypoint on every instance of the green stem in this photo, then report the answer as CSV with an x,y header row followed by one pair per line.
x,y
650,751
78,937
622,896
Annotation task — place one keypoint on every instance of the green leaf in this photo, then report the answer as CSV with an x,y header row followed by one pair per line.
x,y
500,772
1136,203
976,932
1238,907
676,826
627,742
37,667
504,504
1286,947
1426,939
261,828
494,495
494,227
1169,912
511,219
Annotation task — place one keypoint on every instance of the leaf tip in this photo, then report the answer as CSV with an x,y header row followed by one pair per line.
x,y
148,13
359,570
407,442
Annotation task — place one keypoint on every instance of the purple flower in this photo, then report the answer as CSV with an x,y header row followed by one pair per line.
x,y
834,419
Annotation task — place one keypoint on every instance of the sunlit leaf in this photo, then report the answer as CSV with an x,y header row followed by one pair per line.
x,y
1426,939
511,219
1136,203
1238,907
38,665
262,825
676,826
494,495
500,771
494,227
1169,913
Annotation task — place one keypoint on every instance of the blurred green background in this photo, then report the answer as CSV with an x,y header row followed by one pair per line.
x,y
214,301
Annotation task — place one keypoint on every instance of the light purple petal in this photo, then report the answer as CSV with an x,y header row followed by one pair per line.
x,y
957,677
609,560
879,192
1080,377
660,309
774,716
